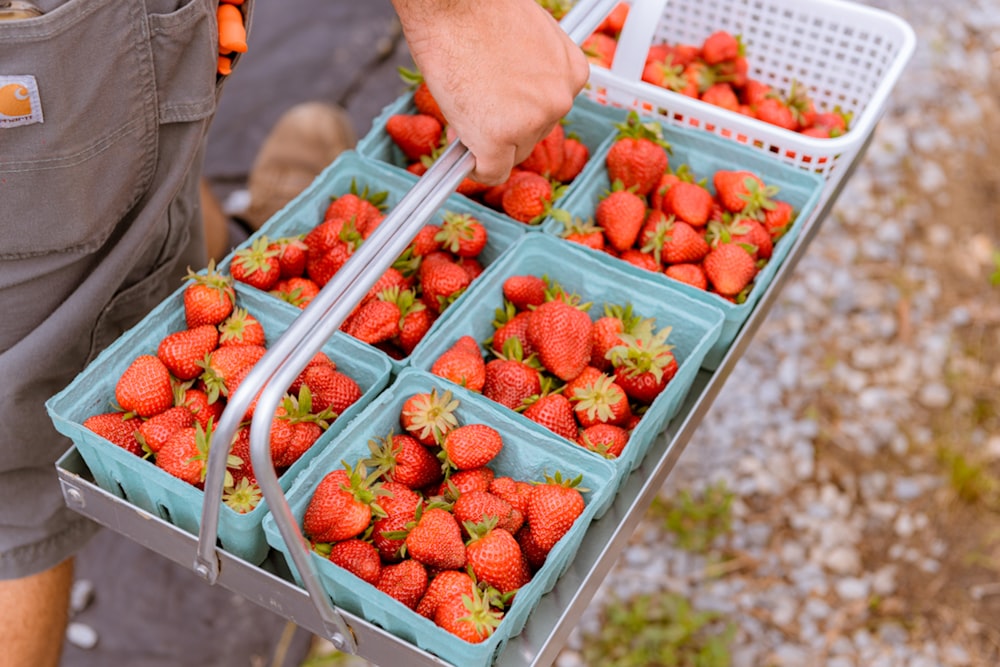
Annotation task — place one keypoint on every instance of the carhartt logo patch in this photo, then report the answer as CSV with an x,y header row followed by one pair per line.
x,y
20,103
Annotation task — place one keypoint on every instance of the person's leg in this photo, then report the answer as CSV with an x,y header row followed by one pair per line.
x,y
33,637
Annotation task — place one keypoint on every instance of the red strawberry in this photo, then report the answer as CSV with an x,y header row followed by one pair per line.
x,y
429,416
776,112
721,94
358,557
227,366
461,482
209,298
692,274
403,459
365,208
719,47
470,618
510,381
601,402
640,258
198,403
405,581
416,322
575,156
425,241
185,454
291,255
257,265
446,585
690,202
241,328
514,328
416,135
157,429
638,156
442,282
614,22
600,49
462,367
423,99
589,376
514,491
297,291
342,505
117,427
462,235
477,505
554,412
436,540
729,268
373,321
145,387
472,445
400,505
607,332
533,553
331,243
547,156
733,188
495,557
778,218
528,197
561,334
331,389
644,364
553,507
683,244
525,290
607,440
183,352
620,214
585,233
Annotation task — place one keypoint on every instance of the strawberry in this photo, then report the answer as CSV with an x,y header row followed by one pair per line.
x,y
801,105
471,446
460,482
462,366
589,376
690,202
533,552
145,388
423,99
620,213
601,402
495,557
640,258
241,328
585,233
719,47
416,135
614,22
442,282
510,381
750,232
600,49
373,321
405,581
425,241
157,429
358,557
607,331
561,334
525,290
692,274
257,265
461,234
183,351
227,366
429,416
528,197
721,94
400,505
575,156
778,218
638,156
366,208
608,440
553,507
416,321
776,112
242,496
209,298
515,492
547,155
291,253
555,412
118,427
644,364
240,451
683,244
669,74
402,458
185,454
342,505
742,191
436,540
331,243
468,617
477,505
729,268
298,291
445,585
331,389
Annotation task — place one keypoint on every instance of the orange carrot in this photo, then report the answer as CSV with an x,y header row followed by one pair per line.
x,y
225,66
232,33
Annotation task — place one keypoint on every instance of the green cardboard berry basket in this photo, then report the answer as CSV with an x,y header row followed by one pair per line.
x,y
704,154
526,455
141,482
349,169
695,325
591,122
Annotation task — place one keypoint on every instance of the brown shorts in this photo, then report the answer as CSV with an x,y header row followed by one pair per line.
x,y
104,106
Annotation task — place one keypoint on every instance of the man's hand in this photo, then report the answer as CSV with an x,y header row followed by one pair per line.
x,y
503,72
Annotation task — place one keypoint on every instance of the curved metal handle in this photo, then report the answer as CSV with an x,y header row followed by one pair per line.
x,y
289,355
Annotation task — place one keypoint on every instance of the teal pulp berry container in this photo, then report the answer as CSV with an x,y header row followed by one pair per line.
x,y
705,153
526,455
141,482
590,122
695,325
350,169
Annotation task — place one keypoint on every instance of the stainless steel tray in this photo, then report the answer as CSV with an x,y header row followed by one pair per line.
x,y
271,585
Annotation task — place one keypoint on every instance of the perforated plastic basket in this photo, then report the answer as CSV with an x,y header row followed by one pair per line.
x,y
305,212
695,325
526,455
705,154
141,482
846,54
587,120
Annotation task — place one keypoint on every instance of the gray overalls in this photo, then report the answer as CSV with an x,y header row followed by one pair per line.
x,y
104,106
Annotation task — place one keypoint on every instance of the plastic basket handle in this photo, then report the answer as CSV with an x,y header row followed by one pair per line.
x,y
289,355
636,38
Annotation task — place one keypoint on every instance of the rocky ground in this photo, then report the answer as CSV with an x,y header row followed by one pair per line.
x,y
860,432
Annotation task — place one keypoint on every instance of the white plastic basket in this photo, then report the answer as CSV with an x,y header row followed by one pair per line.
x,y
845,54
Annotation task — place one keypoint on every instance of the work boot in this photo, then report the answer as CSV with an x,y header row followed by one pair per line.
x,y
303,142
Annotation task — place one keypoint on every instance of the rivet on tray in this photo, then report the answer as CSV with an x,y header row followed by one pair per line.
x,y
75,497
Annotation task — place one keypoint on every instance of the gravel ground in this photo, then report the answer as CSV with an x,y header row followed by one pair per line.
x,y
838,394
